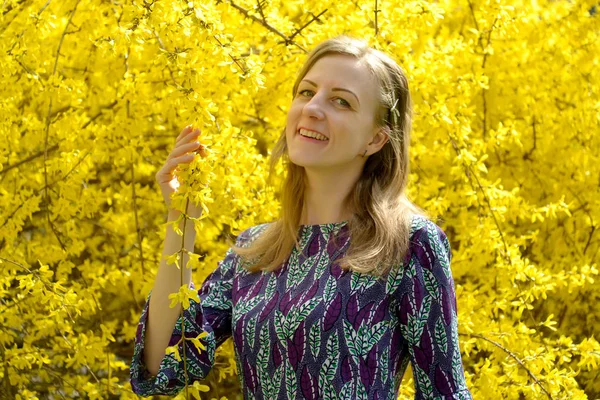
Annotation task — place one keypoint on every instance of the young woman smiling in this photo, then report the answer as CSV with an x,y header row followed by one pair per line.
x,y
350,284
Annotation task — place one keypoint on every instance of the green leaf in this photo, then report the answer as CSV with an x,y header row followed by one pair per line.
x,y
291,383
372,336
431,284
329,367
423,382
314,338
394,278
250,332
329,291
440,335
322,265
351,339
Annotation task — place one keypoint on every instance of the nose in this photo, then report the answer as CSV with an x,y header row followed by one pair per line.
x,y
314,108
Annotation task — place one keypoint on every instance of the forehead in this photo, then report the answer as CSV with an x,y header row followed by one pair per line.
x,y
343,71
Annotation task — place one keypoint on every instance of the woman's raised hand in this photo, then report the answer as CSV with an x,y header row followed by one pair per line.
x,y
185,144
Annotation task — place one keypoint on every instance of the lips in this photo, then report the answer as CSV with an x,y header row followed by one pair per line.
x,y
312,130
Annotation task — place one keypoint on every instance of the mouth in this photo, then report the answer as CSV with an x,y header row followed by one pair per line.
x,y
312,136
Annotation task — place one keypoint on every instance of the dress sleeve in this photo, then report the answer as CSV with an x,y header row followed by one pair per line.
x,y
212,316
428,317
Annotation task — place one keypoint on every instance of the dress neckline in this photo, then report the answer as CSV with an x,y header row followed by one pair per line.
x,y
327,225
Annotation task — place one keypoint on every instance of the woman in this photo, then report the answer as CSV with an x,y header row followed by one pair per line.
x,y
332,300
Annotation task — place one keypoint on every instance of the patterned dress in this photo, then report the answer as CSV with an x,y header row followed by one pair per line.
x,y
314,331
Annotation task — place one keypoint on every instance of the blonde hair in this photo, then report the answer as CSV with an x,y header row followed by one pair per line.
x,y
379,228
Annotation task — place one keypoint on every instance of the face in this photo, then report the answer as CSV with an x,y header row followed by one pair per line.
x,y
337,99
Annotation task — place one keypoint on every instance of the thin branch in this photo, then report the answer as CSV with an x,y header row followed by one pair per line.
x,y
267,25
48,119
511,354
487,200
241,67
260,5
314,18
135,213
376,12
54,147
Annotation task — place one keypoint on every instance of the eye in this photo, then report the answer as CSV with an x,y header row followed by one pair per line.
x,y
343,101
346,104
305,90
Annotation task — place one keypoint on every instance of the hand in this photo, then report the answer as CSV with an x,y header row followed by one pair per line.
x,y
185,143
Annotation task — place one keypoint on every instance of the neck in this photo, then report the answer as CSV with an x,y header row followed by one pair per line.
x,y
326,197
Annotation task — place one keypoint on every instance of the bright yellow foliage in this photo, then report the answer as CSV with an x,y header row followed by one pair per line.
x,y
505,150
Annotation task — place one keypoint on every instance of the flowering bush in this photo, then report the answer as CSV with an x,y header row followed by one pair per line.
x,y
504,154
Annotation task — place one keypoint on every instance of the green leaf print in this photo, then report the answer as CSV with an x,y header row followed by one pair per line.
x,y
424,383
346,392
457,371
457,368
329,291
293,270
291,383
271,287
383,364
304,269
372,336
416,324
351,339
360,337
354,282
314,339
280,327
431,284
322,265
264,353
440,335
438,249
329,367
418,222
216,298
328,392
298,314
250,332
361,282
394,278
275,384
412,268
361,391
244,306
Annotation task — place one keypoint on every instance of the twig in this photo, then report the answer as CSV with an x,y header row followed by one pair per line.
x,y
511,354
487,200
266,25
314,18
376,12
48,119
241,67
135,213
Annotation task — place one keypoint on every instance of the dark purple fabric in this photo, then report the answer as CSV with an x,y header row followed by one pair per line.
x,y
314,331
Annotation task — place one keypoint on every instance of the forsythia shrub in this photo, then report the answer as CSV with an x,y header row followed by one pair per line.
x,y
505,151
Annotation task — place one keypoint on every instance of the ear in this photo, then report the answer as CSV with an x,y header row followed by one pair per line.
x,y
380,138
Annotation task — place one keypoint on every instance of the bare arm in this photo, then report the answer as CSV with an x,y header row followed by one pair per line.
x,y
162,318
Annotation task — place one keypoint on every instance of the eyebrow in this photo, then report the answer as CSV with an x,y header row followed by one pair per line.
x,y
335,89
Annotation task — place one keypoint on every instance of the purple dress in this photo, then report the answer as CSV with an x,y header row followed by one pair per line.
x,y
314,331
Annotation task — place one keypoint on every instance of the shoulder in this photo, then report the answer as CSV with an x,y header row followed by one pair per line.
x,y
250,234
426,234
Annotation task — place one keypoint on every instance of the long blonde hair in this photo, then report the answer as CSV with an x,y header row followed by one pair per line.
x,y
379,228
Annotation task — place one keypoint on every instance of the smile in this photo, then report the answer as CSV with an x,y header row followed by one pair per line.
x,y
312,135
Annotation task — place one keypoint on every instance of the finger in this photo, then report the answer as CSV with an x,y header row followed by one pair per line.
x,y
189,136
167,170
184,148
184,132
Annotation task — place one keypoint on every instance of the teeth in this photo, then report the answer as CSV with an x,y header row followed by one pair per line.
x,y
311,134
